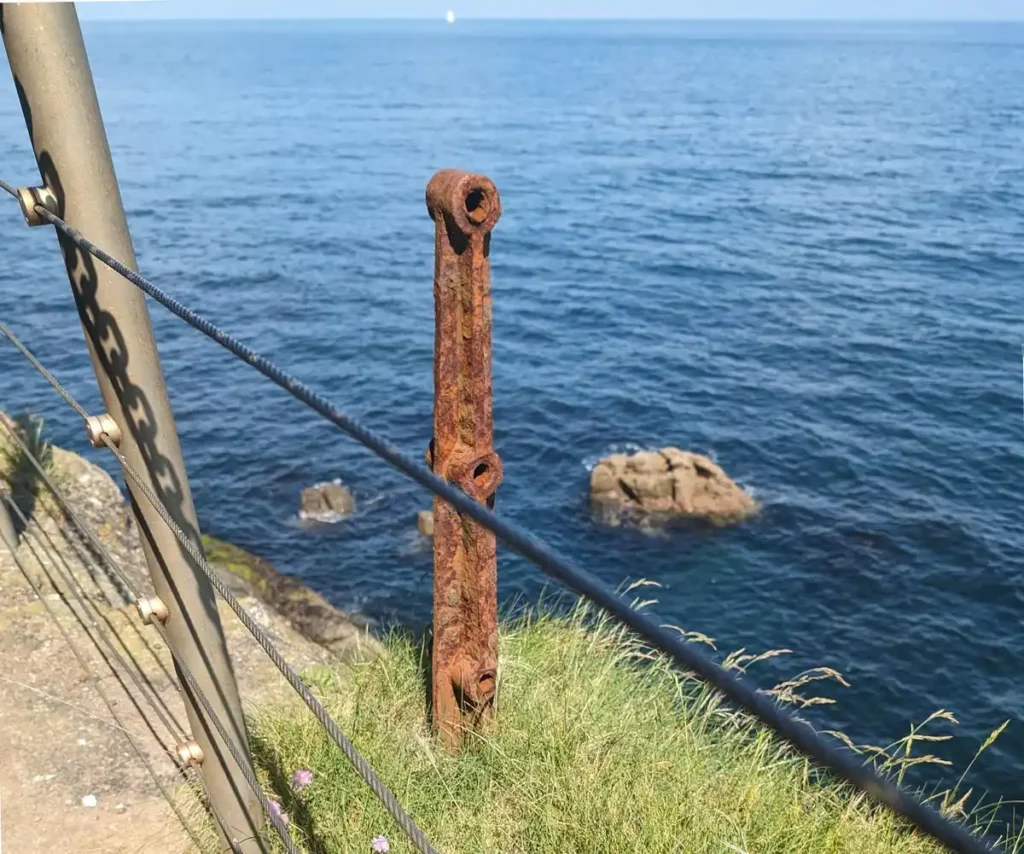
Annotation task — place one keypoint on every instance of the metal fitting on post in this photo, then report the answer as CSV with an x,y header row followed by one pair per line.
x,y
29,197
152,609
97,425
189,754
474,684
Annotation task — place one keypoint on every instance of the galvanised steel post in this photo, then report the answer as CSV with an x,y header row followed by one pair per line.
x,y
55,86
8,535
464,207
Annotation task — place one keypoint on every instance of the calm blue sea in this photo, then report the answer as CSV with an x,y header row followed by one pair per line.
x,y
796,247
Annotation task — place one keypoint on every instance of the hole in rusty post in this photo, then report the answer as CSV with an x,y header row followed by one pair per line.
x,y
479,473
486,684
476,205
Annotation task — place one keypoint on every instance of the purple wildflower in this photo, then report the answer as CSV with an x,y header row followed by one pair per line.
x,y
302,778
380,845
275,809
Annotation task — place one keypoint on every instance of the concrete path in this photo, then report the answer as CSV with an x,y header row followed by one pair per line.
x,y
69,779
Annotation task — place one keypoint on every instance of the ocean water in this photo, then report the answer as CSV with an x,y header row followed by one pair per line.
x,y
796,247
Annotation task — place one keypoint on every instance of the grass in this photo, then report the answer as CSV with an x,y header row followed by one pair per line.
x,y
17,472
601,747
14,463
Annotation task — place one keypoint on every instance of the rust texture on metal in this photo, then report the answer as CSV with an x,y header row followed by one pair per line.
x,y
464,208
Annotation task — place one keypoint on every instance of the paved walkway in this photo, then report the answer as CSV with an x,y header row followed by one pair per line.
x,y
69,780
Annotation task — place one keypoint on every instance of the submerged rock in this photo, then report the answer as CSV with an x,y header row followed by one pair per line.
x,y
326,502
425,522
670,481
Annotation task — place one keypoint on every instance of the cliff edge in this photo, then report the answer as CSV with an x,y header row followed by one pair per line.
x,y
68,772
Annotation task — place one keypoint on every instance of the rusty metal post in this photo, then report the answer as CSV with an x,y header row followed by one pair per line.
x,y
464,208
54,83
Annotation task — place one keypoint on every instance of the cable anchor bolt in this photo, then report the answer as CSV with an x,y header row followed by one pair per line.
x,y
98,425
152,609
189,754
30,197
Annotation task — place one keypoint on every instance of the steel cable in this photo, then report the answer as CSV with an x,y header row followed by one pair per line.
x,y
74,404
797,732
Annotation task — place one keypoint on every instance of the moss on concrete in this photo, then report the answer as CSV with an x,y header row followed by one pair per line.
x,y
313,616
253,570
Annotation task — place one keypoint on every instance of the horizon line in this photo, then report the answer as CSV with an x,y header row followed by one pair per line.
x,y
581,19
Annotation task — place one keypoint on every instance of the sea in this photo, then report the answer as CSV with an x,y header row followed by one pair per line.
x,y
795,247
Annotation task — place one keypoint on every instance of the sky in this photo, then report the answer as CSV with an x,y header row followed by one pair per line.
x,y
990,10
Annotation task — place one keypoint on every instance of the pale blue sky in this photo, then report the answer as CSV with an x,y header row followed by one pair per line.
x,y
999,10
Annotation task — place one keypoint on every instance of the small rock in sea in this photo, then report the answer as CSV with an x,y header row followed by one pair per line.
x,y
670,481
89,801
326,501
425,522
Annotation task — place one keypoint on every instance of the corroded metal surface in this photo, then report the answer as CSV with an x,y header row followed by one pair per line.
x,y
464,208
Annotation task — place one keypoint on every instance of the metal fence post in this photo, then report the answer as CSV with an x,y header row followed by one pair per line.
x,y
54,83
8,534
464,664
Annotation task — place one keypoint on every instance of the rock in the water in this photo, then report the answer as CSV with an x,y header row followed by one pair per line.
x,y
670,481
647,462
326,501
425,522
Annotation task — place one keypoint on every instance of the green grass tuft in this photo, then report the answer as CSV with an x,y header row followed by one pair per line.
x,y
15,465
600,748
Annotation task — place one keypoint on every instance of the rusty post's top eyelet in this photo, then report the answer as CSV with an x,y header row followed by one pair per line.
x,y
471,201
